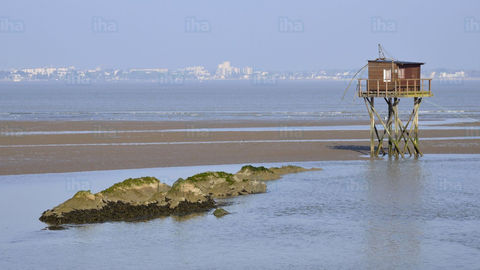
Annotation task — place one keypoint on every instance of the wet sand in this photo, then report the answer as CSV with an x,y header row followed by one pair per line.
x,y
111,146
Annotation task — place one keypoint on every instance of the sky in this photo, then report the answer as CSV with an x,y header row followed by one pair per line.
x,y
273,35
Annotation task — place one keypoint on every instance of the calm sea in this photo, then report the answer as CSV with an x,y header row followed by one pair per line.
x,y
409,214
230,100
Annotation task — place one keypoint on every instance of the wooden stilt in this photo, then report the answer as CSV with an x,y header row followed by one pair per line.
x,y
416,102
400,136
372,128
387,130
389,126
395,117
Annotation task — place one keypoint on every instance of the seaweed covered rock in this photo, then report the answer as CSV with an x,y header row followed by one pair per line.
x,y
146,197
221,184
185,193
132,199
248,180
257,173
135,190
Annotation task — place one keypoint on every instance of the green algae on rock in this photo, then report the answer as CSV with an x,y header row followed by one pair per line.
x,y
222,184
257,173
131,182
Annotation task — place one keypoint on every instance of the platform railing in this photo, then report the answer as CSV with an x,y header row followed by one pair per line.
x,y
396,87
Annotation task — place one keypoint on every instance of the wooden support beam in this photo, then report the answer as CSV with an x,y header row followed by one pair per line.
x,y
406,138
404,133
400,136
393,142
396,123
372,128
416,102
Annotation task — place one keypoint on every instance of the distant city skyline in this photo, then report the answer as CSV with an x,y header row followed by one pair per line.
x,y
224,71
272,35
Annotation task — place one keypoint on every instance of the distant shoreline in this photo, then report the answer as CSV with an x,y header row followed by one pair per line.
x,y
453,81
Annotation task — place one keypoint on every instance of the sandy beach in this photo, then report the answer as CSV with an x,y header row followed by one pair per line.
x,y
56,146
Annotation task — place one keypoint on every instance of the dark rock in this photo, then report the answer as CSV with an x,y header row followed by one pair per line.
x,y
220,212
55,228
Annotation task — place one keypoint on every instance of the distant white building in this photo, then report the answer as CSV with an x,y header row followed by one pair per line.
x,y
225,71
247,72
198,72
456,75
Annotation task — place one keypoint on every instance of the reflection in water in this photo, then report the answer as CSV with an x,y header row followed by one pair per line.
x,y
184,236
188,217
393,231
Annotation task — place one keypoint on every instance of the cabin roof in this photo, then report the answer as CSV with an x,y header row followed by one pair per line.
x,y
396,62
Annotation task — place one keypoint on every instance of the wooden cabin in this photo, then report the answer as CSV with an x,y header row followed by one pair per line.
x,y
392,78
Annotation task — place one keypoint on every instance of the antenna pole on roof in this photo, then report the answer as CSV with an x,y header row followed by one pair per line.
x,y
381,54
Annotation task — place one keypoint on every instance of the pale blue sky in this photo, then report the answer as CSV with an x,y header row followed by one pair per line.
x,y
274,35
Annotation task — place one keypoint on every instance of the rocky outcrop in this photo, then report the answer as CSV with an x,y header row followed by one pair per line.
x,y
257,173
146,197
222,184
133,199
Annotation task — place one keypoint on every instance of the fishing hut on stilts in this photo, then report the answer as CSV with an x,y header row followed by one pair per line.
x,y
393,80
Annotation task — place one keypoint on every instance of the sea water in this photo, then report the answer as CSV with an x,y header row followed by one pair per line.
x,y
383,214
219,100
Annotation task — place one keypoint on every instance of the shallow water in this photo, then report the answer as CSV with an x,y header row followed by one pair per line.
x,y
384,214
426,125
462,138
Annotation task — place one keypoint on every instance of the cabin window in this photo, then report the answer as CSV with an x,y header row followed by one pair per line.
x,y
401,73
387,75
